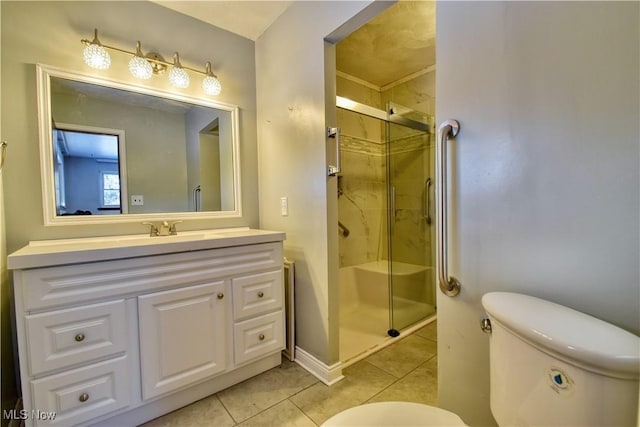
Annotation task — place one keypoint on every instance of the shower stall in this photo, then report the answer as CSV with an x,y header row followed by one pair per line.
x,y
386,216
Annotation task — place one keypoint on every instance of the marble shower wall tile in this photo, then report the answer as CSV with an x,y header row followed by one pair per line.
x,y
362,203
362,206
418,94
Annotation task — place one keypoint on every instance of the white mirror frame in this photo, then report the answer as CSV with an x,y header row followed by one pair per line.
x,y
43,83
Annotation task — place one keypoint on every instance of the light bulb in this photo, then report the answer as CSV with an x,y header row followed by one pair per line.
x,y
139,67
95,55
211,85
177,75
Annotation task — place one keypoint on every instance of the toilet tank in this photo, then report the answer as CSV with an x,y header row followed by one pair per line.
x,y
554,366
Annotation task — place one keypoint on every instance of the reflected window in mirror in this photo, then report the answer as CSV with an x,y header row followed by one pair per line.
x,y
88,170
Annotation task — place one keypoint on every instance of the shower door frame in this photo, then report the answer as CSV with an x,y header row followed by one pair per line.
x,y
393,115
396,116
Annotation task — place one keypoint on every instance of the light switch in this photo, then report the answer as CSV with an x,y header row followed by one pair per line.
x,y
284,206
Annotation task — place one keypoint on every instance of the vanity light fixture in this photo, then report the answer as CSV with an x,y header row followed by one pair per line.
x,y
144,66
210,84
95,54
177,75
139,66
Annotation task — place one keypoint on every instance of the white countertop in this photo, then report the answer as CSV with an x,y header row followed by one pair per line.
x,y
46,253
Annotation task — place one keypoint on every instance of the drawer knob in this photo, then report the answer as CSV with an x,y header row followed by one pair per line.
x,y
260,294
261,337
83,397
220,295
80,337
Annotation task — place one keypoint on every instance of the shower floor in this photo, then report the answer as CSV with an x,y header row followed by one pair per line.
x,y
364,329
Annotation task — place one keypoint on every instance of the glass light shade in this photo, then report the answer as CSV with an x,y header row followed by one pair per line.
x,y
179,77
140,68
96,56
211,85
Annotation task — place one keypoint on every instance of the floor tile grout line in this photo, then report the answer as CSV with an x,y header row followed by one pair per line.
x,y
301,410
271,406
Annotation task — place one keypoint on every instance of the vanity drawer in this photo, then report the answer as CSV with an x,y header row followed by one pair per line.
x,y
62,338
257,294
259,336
82,394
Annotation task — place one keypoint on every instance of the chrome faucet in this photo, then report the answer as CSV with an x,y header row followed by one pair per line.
x,y
153,232
165,228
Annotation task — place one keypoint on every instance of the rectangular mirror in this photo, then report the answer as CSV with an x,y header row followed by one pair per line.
x,y
115,152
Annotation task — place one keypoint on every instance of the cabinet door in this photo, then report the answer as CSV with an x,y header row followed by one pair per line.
x,y
183,336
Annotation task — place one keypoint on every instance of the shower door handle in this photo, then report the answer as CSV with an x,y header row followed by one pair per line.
x,y
449,285
3,152
427,207
334,133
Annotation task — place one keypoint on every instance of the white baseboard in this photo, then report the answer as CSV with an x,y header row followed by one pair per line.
x,y
327,374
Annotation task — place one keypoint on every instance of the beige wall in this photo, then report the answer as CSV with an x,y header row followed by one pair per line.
x,y
545,178
50,33
292,103
8,392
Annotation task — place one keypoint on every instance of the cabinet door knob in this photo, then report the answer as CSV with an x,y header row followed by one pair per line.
x,y
83,397
220,295
80,337
261,337
260,294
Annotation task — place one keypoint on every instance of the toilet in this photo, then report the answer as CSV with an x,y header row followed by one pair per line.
x,y
549,365
393,414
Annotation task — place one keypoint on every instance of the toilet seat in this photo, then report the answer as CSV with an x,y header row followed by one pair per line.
x,y
393,414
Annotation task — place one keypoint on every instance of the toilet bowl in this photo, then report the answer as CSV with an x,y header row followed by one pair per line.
x,y
393,414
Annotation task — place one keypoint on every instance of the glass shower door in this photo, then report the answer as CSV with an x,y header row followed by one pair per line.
x,y
411,219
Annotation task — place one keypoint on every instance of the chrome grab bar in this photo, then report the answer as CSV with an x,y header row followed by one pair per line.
x,y
334,133
449,285
426,214
345,231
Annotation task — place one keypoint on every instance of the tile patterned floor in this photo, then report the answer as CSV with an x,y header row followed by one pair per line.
x,y
289,396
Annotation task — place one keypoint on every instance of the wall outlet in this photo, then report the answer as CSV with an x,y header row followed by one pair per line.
x,y
137,200
284,206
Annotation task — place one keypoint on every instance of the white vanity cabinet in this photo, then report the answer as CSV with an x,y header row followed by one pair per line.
x,y
118,334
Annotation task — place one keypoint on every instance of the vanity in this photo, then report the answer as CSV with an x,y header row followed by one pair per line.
x,y
120,330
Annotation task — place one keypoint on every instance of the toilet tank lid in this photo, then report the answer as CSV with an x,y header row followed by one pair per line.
x,y
569,333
